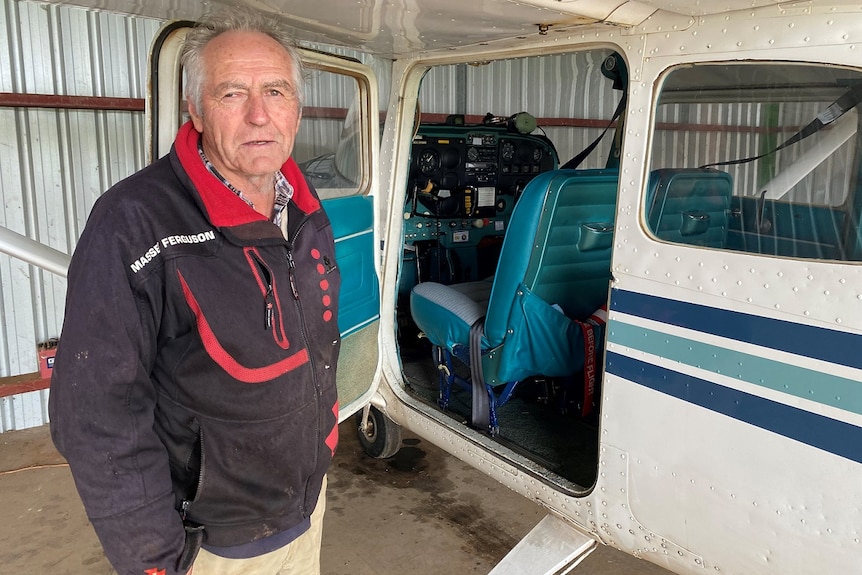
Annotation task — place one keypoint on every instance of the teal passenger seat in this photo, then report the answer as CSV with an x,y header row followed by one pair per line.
x,y
690,205
529,319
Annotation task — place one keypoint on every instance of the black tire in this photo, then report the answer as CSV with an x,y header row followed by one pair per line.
x,y
381,438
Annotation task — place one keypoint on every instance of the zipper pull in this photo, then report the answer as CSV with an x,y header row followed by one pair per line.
x,y
292,265
328,264
268,305
184,508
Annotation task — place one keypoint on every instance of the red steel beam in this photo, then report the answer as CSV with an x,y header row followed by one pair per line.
x,y
11,100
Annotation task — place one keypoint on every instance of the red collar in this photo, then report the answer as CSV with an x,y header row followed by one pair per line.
x,y
223,207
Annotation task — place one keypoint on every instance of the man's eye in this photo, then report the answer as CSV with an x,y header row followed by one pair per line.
x,y
228,96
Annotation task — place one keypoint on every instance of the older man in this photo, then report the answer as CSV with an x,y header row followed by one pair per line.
x,y
194,387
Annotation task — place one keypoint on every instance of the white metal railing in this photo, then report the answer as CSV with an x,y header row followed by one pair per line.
x,y
33,252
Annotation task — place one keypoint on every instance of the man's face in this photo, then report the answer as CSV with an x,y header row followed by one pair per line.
x,y
250,111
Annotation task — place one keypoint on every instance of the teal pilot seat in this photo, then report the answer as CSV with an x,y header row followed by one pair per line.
x,y
530,319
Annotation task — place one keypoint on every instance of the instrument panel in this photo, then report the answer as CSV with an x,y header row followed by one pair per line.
x,y
470,171
463,184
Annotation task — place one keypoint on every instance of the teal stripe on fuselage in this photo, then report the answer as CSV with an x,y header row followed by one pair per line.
x,y
812,385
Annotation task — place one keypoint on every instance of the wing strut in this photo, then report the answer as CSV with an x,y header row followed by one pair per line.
x,y
553,547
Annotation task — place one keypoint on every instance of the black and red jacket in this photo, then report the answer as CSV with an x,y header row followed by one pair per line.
x,y
195,373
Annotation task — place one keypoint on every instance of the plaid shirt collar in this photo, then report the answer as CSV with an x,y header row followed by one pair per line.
x,y
283,189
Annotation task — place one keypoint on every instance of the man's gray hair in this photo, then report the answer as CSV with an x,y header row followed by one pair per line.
x,y
229,20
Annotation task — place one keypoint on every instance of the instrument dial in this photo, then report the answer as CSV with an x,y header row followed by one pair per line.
x,y
507,151
537,154
428,161
451,159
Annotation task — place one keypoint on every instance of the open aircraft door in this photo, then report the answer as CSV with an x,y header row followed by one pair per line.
x,y
337,148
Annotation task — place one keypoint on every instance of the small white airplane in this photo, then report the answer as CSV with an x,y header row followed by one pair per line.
x,y
607,253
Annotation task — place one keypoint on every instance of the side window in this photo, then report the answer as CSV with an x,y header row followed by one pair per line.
x,y
344,110
758,157
328,145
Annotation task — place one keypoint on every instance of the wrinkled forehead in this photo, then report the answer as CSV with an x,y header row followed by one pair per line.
x,y
244,56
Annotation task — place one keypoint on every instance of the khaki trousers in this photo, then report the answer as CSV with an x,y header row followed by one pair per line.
x,y
300,557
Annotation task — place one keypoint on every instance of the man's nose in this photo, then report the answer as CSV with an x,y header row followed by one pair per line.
x,y
256,112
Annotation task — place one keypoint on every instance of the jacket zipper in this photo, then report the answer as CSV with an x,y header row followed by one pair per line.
x,y
186,503
268,296
290,273
270,304
304,330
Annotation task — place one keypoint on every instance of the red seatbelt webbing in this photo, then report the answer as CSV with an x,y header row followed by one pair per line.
x,y
599,318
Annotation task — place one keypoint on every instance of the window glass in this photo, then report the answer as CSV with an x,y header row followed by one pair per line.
x,y
759,158
327,147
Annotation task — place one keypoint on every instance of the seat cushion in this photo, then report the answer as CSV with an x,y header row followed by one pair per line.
x,y
445,313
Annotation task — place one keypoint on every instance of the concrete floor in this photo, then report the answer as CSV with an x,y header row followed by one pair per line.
x,y
421,512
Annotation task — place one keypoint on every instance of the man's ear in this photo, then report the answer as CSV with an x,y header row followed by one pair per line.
x,y
197,120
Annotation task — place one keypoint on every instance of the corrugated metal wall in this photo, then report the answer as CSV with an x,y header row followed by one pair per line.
x,y
24,410
54,163
560,86
678,144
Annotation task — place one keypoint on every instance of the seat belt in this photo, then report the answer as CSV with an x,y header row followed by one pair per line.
x,y
849,100
481,406
577,160
591,351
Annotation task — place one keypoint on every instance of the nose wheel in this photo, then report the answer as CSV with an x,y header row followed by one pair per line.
x,y
379,436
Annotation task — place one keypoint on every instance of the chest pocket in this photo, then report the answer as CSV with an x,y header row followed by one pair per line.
x,y
225,360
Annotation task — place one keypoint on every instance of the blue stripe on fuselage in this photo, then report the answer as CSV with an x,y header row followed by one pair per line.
x,y
842,439
800,339
752,366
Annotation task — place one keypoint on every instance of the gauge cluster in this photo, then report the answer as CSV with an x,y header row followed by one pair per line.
x,y
468,171
464,182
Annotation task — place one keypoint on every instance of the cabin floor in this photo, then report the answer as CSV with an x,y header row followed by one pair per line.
x,y
536,422
421,508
